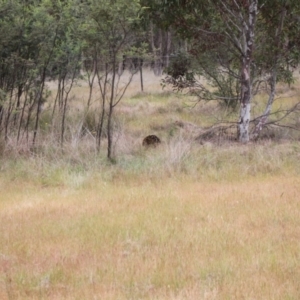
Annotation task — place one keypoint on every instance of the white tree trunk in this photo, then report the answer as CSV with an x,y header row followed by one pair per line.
x,y
273,80
264,118
246,86
245,114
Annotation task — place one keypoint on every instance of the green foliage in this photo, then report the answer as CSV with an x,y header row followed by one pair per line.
x,y
218,38
180,66
44,40
180,72
108,27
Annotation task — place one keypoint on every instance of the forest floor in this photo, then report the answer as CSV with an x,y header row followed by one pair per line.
x,y
191,219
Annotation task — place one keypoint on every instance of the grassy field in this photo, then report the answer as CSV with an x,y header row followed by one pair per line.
x,y
182,221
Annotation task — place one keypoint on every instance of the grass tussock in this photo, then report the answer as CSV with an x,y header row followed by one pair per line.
x,y
177,157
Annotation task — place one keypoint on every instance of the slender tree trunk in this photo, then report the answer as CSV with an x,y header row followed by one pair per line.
x,y
1,117
18,104
169,42
63,113
38,111
26,129
273,80
156,51
110,110
264,118
245,110
103,91
22,115
91,78
57,100
141,73
8,114
100,126
159,53
65,102
40,95
109,131
246,87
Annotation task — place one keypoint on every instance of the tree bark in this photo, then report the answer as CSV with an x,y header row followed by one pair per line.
x,y
168,50
141,73
103,91
110,110
273,79
246,88
157,68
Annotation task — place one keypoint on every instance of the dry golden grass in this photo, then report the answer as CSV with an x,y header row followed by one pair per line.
x,y
170,239
182,221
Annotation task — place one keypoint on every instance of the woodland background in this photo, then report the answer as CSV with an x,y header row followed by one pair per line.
x,y
87,212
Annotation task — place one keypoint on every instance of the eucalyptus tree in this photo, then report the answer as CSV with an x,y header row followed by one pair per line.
x,y
25,50
29,32
221,35
240,19
65,64
279,54
44,32
235,45
13,60
110,32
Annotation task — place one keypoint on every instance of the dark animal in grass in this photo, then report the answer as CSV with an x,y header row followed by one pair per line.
x,y
151,141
